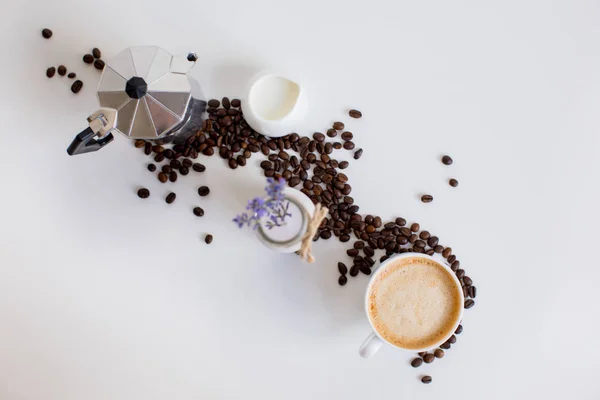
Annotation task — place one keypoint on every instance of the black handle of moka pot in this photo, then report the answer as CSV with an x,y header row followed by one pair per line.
x,y
85,142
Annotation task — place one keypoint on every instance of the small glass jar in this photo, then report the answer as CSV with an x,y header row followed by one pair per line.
x,y
288,238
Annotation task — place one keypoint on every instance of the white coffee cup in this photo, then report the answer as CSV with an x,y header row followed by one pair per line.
x,y
374,341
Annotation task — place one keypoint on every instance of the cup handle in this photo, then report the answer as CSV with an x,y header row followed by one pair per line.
x,y
370,346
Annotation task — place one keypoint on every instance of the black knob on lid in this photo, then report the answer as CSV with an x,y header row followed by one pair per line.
x,y
136,87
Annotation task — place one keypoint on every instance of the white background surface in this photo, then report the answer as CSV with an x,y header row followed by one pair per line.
x,y
105,296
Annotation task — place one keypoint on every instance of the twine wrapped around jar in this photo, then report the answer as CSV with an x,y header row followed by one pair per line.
x,y
313,225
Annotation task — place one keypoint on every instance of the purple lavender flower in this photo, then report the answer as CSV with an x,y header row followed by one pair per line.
x,y
273,207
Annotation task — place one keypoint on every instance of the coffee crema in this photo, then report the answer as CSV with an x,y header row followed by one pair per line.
x,y
414,303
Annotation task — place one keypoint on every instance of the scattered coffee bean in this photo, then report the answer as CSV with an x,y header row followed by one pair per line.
x,y
452,339
50,72
453,182
445,346
88,58
71,75
472,292
96,52
428,358
355,113
162,177
208,239
151,167
339,126
358,153
416,362
143,193
347,136
214,103
438,353
198,167
342,268
226,103
415,227
447,251
342,280
352,252
458,330
203,191
198,211
236,103
447,160
62,70
427,198
46,33
173,176
99,64
348,145
469,303
170,198
76,86
426,379
344,164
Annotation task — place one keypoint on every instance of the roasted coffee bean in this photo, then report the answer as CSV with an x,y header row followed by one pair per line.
x,y
203,191
458,330
236,103
377,222
198,167
198,212
232,163
151,167
308,185
352,252
465,290
208,239
389,225
283,155
447,251
76,86
170,198
355,113
416,362
359,244
365,270
420,243
433,241
96,52
62,70
143,193
445,346
415,227
358,153
46,33
342,268
401,240
184,170
370,229
428,358
344,164
447,160
347,136
424,235
71,75
426,379
438,353
369,251
339,126
438,249
331,132
405,232
226,103
455,265
472,291
383,258
348,200
468,281
460,273
427,198
166,169
348,145
162,177
451,259
88,58
173,176
400,221
266,165
287,174
175,164
354,270
326,234
158,149
214,103
342,280
50,72
412,238
318,136
325,158
336,145
453,182
452,339
99,64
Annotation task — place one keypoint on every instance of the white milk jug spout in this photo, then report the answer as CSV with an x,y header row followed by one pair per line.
x,y
274,105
